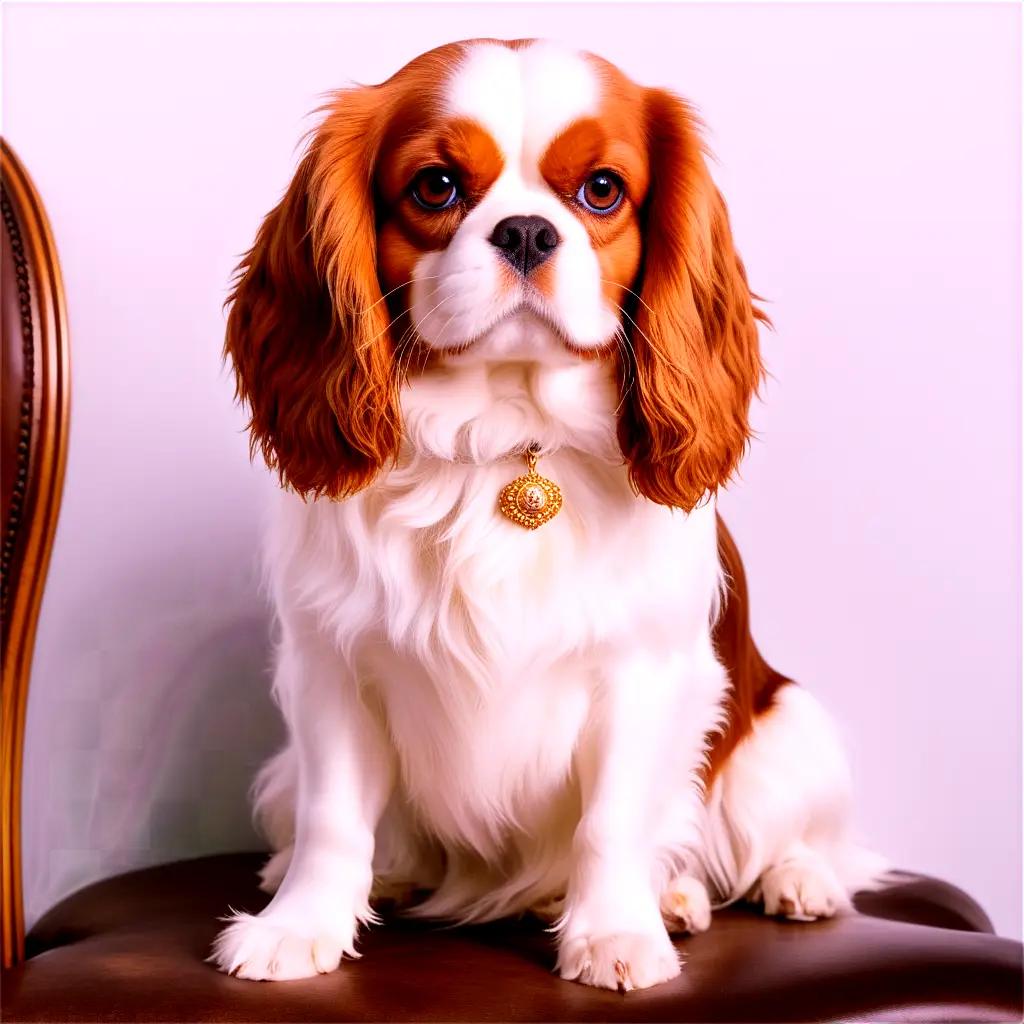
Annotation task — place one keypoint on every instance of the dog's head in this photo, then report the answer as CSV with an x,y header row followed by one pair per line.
x,y
491,190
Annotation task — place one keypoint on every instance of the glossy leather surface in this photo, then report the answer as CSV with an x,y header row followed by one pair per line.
x,y
131,949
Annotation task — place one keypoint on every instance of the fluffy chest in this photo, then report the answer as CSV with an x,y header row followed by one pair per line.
x,y
461,588
478,764
495,638
486,642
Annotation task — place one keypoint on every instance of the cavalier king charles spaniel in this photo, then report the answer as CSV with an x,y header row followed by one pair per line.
x,y
498,345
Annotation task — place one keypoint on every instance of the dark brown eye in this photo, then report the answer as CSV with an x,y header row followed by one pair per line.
x,y
601,192
435,188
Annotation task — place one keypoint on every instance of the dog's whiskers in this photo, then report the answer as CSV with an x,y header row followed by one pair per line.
x,y
657,348
622,339
450,275
410,335
636,295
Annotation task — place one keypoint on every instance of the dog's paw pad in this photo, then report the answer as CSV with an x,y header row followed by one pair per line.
x,y
621,962
686,906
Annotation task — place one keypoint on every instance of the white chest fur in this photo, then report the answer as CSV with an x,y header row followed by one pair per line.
x,y
473,630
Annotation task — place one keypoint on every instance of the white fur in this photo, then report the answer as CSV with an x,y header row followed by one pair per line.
x,y
517,719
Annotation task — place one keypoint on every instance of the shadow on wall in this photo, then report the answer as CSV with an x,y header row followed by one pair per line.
x,y
150,731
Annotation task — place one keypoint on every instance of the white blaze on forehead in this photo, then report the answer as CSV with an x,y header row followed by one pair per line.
x,y
523,98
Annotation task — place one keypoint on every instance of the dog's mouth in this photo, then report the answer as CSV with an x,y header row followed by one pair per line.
x,y
532,310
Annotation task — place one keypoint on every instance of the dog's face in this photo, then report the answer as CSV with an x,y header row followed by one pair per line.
x,y
498,199
517,201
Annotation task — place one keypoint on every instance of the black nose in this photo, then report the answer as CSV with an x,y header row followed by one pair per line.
x,y
526,242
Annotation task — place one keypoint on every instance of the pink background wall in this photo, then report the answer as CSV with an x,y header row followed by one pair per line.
x,y
870,156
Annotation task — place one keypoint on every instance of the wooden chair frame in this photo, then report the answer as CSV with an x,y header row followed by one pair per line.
x,y
41,454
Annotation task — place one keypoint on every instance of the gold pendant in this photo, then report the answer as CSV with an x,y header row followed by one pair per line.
x,y
530,500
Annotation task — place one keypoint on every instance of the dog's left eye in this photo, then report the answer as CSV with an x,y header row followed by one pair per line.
x,y
601,192
435,188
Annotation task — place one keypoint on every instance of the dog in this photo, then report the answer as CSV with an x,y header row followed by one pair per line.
x,y
499,347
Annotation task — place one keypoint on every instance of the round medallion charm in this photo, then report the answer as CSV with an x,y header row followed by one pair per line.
x,y
532,498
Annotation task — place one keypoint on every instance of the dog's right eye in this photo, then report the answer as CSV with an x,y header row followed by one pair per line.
x,y
435,188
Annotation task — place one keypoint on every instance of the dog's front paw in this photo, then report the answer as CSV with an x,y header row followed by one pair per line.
x,y
270,947
802,890
623,962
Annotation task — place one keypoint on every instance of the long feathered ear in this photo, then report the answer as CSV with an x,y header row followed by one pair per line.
x,y
684,422
308,331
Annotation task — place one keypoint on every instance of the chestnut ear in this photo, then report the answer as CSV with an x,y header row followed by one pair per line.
x,y
308,332
696,363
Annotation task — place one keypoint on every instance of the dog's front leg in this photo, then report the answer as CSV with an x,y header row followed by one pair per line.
x,y
345,776
636,764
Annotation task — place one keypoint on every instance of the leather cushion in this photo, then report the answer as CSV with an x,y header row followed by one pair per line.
x,y
131,948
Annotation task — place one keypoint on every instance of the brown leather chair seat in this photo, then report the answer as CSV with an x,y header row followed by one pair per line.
x,y
132,948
